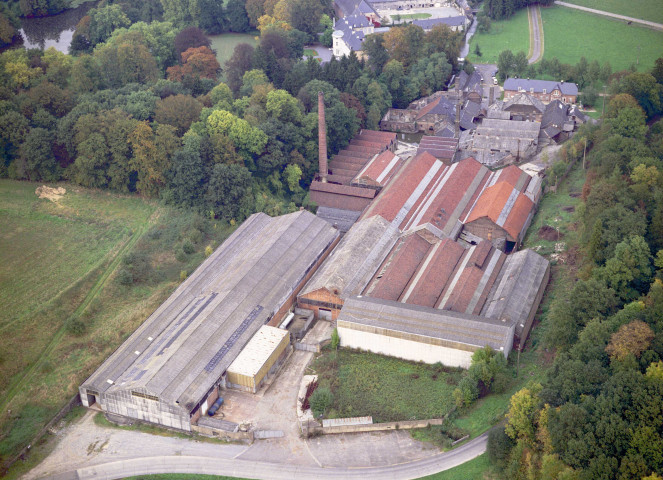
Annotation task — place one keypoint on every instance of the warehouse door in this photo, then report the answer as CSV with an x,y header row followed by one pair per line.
x,y
325,314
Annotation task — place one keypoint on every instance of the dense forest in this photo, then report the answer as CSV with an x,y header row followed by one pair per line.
x,y
138,105
598,414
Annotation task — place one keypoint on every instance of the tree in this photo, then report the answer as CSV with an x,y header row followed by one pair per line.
x,y
629,270
126,61
505,62
238,20
499,446
151,156
247,139
466,392
477,50
254,10
405,44
190,37
36,154
292,175
374,48
214,20
305,15
239,63
228,192
283,106
180,111
631,339
521,414
252,79
188,177
104,20
644,88
199,62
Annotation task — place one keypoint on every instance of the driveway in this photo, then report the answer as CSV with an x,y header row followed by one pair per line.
x,y
534,14
324,53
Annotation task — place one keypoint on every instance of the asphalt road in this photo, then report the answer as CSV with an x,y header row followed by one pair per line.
x,y
657,26
534,14
274,471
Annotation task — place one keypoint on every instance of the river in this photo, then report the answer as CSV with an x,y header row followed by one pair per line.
x,y
53,31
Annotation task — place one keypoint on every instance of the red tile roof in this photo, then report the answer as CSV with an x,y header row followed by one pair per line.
x,y
428,108
380,169
383,136
394,275
514,176
393,197
499,205
431,277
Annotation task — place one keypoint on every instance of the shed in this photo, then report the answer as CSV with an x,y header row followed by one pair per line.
x,y
259,357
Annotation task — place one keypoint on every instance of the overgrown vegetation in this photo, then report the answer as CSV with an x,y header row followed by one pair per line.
x,y
597,412
70,297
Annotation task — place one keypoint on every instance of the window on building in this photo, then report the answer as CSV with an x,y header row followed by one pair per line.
x,y
544,90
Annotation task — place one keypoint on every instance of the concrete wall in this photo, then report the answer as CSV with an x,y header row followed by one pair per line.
x,y
406,349
213,432
321,298
153,411
377,427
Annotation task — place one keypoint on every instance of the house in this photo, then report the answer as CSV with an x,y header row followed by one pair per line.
x,y
500,141
524,107
544,90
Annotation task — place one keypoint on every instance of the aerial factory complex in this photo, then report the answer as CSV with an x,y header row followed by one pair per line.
x,y
415,257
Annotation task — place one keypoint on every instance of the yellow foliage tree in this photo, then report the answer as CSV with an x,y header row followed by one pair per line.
x,y
632,338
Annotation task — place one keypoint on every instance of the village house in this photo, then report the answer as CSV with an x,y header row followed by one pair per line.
x,y
544,90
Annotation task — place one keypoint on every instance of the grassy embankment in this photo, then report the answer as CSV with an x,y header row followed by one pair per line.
x,y
643,9
511,34
64,310
570,34
224,44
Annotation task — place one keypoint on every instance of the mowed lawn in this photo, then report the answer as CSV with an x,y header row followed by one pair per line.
x,y
389,389
511,34
651,10
225,44
570,34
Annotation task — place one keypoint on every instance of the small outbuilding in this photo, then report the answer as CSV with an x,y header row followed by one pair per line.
x,y
260,357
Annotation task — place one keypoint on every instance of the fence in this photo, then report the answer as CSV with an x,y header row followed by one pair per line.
x,y
74,402
307,347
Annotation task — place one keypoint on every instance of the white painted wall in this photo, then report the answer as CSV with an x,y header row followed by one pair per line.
x,y
406,349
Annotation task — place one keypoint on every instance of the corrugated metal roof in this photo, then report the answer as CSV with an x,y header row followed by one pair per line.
x,y
256,353
190,340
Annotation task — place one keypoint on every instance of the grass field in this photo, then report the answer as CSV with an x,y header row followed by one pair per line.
x,y
412,16
64,310
570,34
225,44
477,469
511,34
643,9
389,389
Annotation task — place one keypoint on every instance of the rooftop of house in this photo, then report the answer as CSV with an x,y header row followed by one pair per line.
x,y
538,86
524,99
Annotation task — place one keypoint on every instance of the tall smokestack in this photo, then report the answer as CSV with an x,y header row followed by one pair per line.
x,y
457,123
322,138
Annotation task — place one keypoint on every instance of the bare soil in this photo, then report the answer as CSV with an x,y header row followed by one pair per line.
x,y
52,194
549,233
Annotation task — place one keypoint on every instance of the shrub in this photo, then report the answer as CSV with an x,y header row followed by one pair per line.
x,y
196,236
187,247
208,250
321,400
124,277
499,446
76,327
335,339
310,388
183,275
466,393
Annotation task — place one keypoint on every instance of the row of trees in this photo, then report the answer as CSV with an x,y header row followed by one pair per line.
x,y
500,9
598,413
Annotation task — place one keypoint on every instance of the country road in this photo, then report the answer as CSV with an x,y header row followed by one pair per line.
x,y
536,38
276,471
657,26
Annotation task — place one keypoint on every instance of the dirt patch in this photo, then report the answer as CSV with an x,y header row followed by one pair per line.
x,y
574,194
569,209
549,233
52,194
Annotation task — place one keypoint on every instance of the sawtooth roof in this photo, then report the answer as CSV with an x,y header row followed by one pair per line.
x,y
379,170
184,347
505,206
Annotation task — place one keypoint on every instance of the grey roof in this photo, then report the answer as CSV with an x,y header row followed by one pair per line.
x,y
452,328
429,23
353,38
347,6
446,132
183,348
514,84
493,129
354,260
555,114
339,218
524,99
517,288
580,115
365,8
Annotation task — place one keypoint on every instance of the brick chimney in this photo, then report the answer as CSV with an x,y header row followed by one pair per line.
x,y
322,138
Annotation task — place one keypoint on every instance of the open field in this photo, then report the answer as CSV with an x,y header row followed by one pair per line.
x,y
570,34
389,389
413,16
59,283
477,469
643,9
225,44
511,34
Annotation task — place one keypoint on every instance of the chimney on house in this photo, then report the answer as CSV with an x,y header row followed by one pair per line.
x,y
322,138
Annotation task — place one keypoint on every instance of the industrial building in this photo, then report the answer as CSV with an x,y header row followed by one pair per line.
x,y
170,369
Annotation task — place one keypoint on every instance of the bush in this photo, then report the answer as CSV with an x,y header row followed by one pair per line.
x,y
196,236
321,400
335,339
208,250
76,327
187,247
499,446
124,277
183,275
466,393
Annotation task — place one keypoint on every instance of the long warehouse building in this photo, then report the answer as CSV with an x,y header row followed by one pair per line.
x,y
170,369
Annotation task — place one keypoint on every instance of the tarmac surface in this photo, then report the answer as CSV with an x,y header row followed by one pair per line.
x,y
534,14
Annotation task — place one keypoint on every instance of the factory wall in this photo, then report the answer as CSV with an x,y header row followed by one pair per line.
x,y
252,383
140,405
405,348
